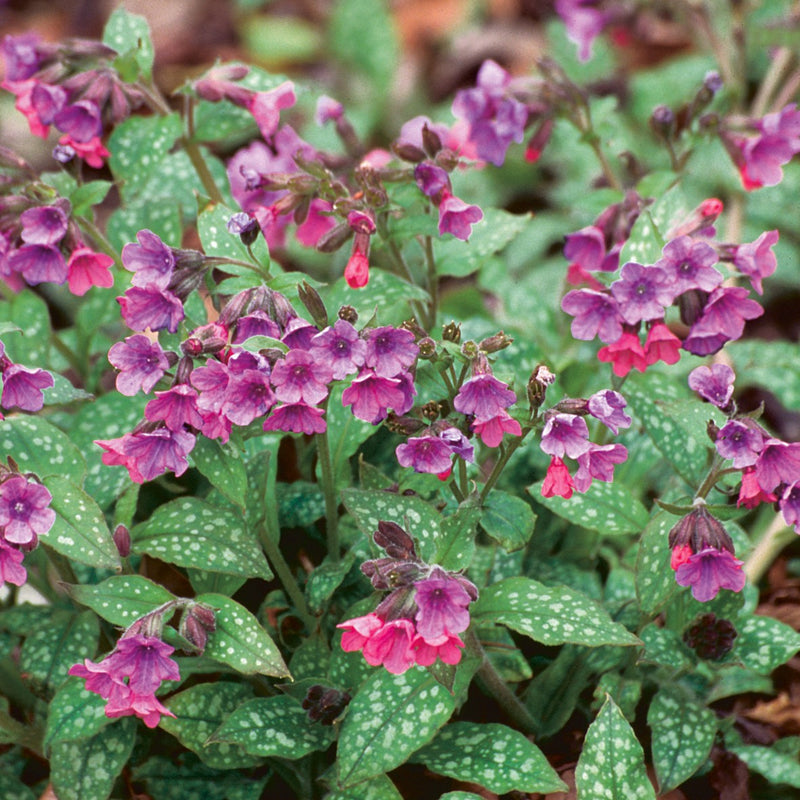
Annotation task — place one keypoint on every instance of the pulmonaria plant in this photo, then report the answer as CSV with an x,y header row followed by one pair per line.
x,y
420,620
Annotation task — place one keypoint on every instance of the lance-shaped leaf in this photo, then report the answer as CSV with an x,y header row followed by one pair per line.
x,y
776,767
390,717
191,533
655,579
122,599
199,711
611,765
457,541
549,614
608,508
79,531
74,713
378,788
508,519
86,769
495,756
224,468
240,641
683,732
273,726
38,446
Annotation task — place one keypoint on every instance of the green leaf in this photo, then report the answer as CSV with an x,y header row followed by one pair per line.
x,y
191,533
326,579
457,540
129,35
199,711
378,788
74,713
611,764
240,641
38,446
777,768
48,652
508,519
86,769
772,365
161,218
13,789
62,392
411,513
494,756
88,195
362,35
489,236
549,614
79,531
655,579
608,508
683,732
273,726
664,647
224,468
300,504
346,434
389,718
217,241
765,643
122,599
649,233
28,312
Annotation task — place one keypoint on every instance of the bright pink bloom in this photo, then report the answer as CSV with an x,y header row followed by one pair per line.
x,y
491,430
750,492
296,418
625,354
266,107
24,510
11,569
92,152
661,344
392,646
557,481
86,269
175,407
447,648
115,455
358,631
371,396
356,273
316,223
457,217
681,554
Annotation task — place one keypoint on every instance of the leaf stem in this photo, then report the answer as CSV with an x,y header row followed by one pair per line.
x,y
330,494
507,451
775,538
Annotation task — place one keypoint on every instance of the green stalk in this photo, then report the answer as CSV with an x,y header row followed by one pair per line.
x,y
330,494
497,688
777,536
507,451
433,285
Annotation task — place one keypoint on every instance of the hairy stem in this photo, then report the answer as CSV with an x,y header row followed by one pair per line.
x,y
330,494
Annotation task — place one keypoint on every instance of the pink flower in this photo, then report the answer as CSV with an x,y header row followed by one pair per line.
x,y
358,631
491,430
750,492
456,217
565,435
175,407
756,259
447,648
625,354
300,377
11,569
92,152
557,481
86,269
371,396
661,344
266,107
297,418
356,273
442,604
598,463
391,646
709,571
24,510
23,387
142,364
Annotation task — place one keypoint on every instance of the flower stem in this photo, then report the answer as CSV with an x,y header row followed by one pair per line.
x,y
775,538
433,284
497,688
330,494
508,451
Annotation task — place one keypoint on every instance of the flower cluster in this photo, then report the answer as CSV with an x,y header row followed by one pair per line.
x,y
42,244
25,515
566,435
53,87
703,555
23,387
770,467
711,313
422,616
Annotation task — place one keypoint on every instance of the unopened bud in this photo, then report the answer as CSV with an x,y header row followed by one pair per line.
x,y
310,298
712,430
492,344
244,226
407,426
394,540
662,121
348,314
430,141
325,705
452,332
408,152
122,540
195,625
332,240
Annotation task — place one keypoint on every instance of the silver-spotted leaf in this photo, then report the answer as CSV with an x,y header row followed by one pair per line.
x,y
508,519
655,579
765,643
74,713
39,447
122,599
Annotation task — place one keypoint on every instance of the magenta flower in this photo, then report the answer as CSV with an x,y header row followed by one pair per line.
x,y
726,311
159,451
23,387
586,248
447,648
790,505
584,23
114,455
11,569
175,407
741,441
661,344
211,381
596,314
257,323
391,645
300,377
296,418
358,631
442,604
248,396
92,152
80,121
371,396
607,406
328,110
426,453
141,362
761,157
710,570
149,306
624,355
483,396
457,217
557,481
642,293
597,463
39,263
714,383
756,259
491,430
266,107
43,225
778,463
341,347
689,264
24,510
22,56
750,492
318,221
390,351
150,261
85,269
565,435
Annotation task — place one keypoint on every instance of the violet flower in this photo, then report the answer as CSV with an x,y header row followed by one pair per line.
x,y
151,261
442,604
710,570
642,293
341,347
607,406
741,441
142,364
296,418
756,259
457,217
390,350
595,313
151,307
689,264
23,387
24,510
565,435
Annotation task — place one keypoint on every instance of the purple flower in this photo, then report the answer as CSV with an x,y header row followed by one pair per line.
x,y
150,454
11,569
47,101
142,364
426,453
24,510
248,396
714,383
724,315
456,217
266,107
151,307
23,387
371,396
790,505
408,390
596,314
565,435
81,121
299,377
39,263
689,264
390,351
710,570
643,293
298,333
431,179
296,417
175,407
43,225
328,110
145,661
778,462
458,443
586,247
442,604
495,118
341,347
256,323
756,259
598,463
584,23
761,157
607,406
151,261
21,55
741,441
484,397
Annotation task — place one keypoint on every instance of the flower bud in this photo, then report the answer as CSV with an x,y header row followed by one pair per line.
x,y
711,638
348,314
430,141
408,152
394,540
452,332
407,426
700,530
492,344
412,325
332,240
122,540
310,298
324,705
196,623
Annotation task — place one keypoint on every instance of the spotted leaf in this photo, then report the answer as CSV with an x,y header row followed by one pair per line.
x,y
121,599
